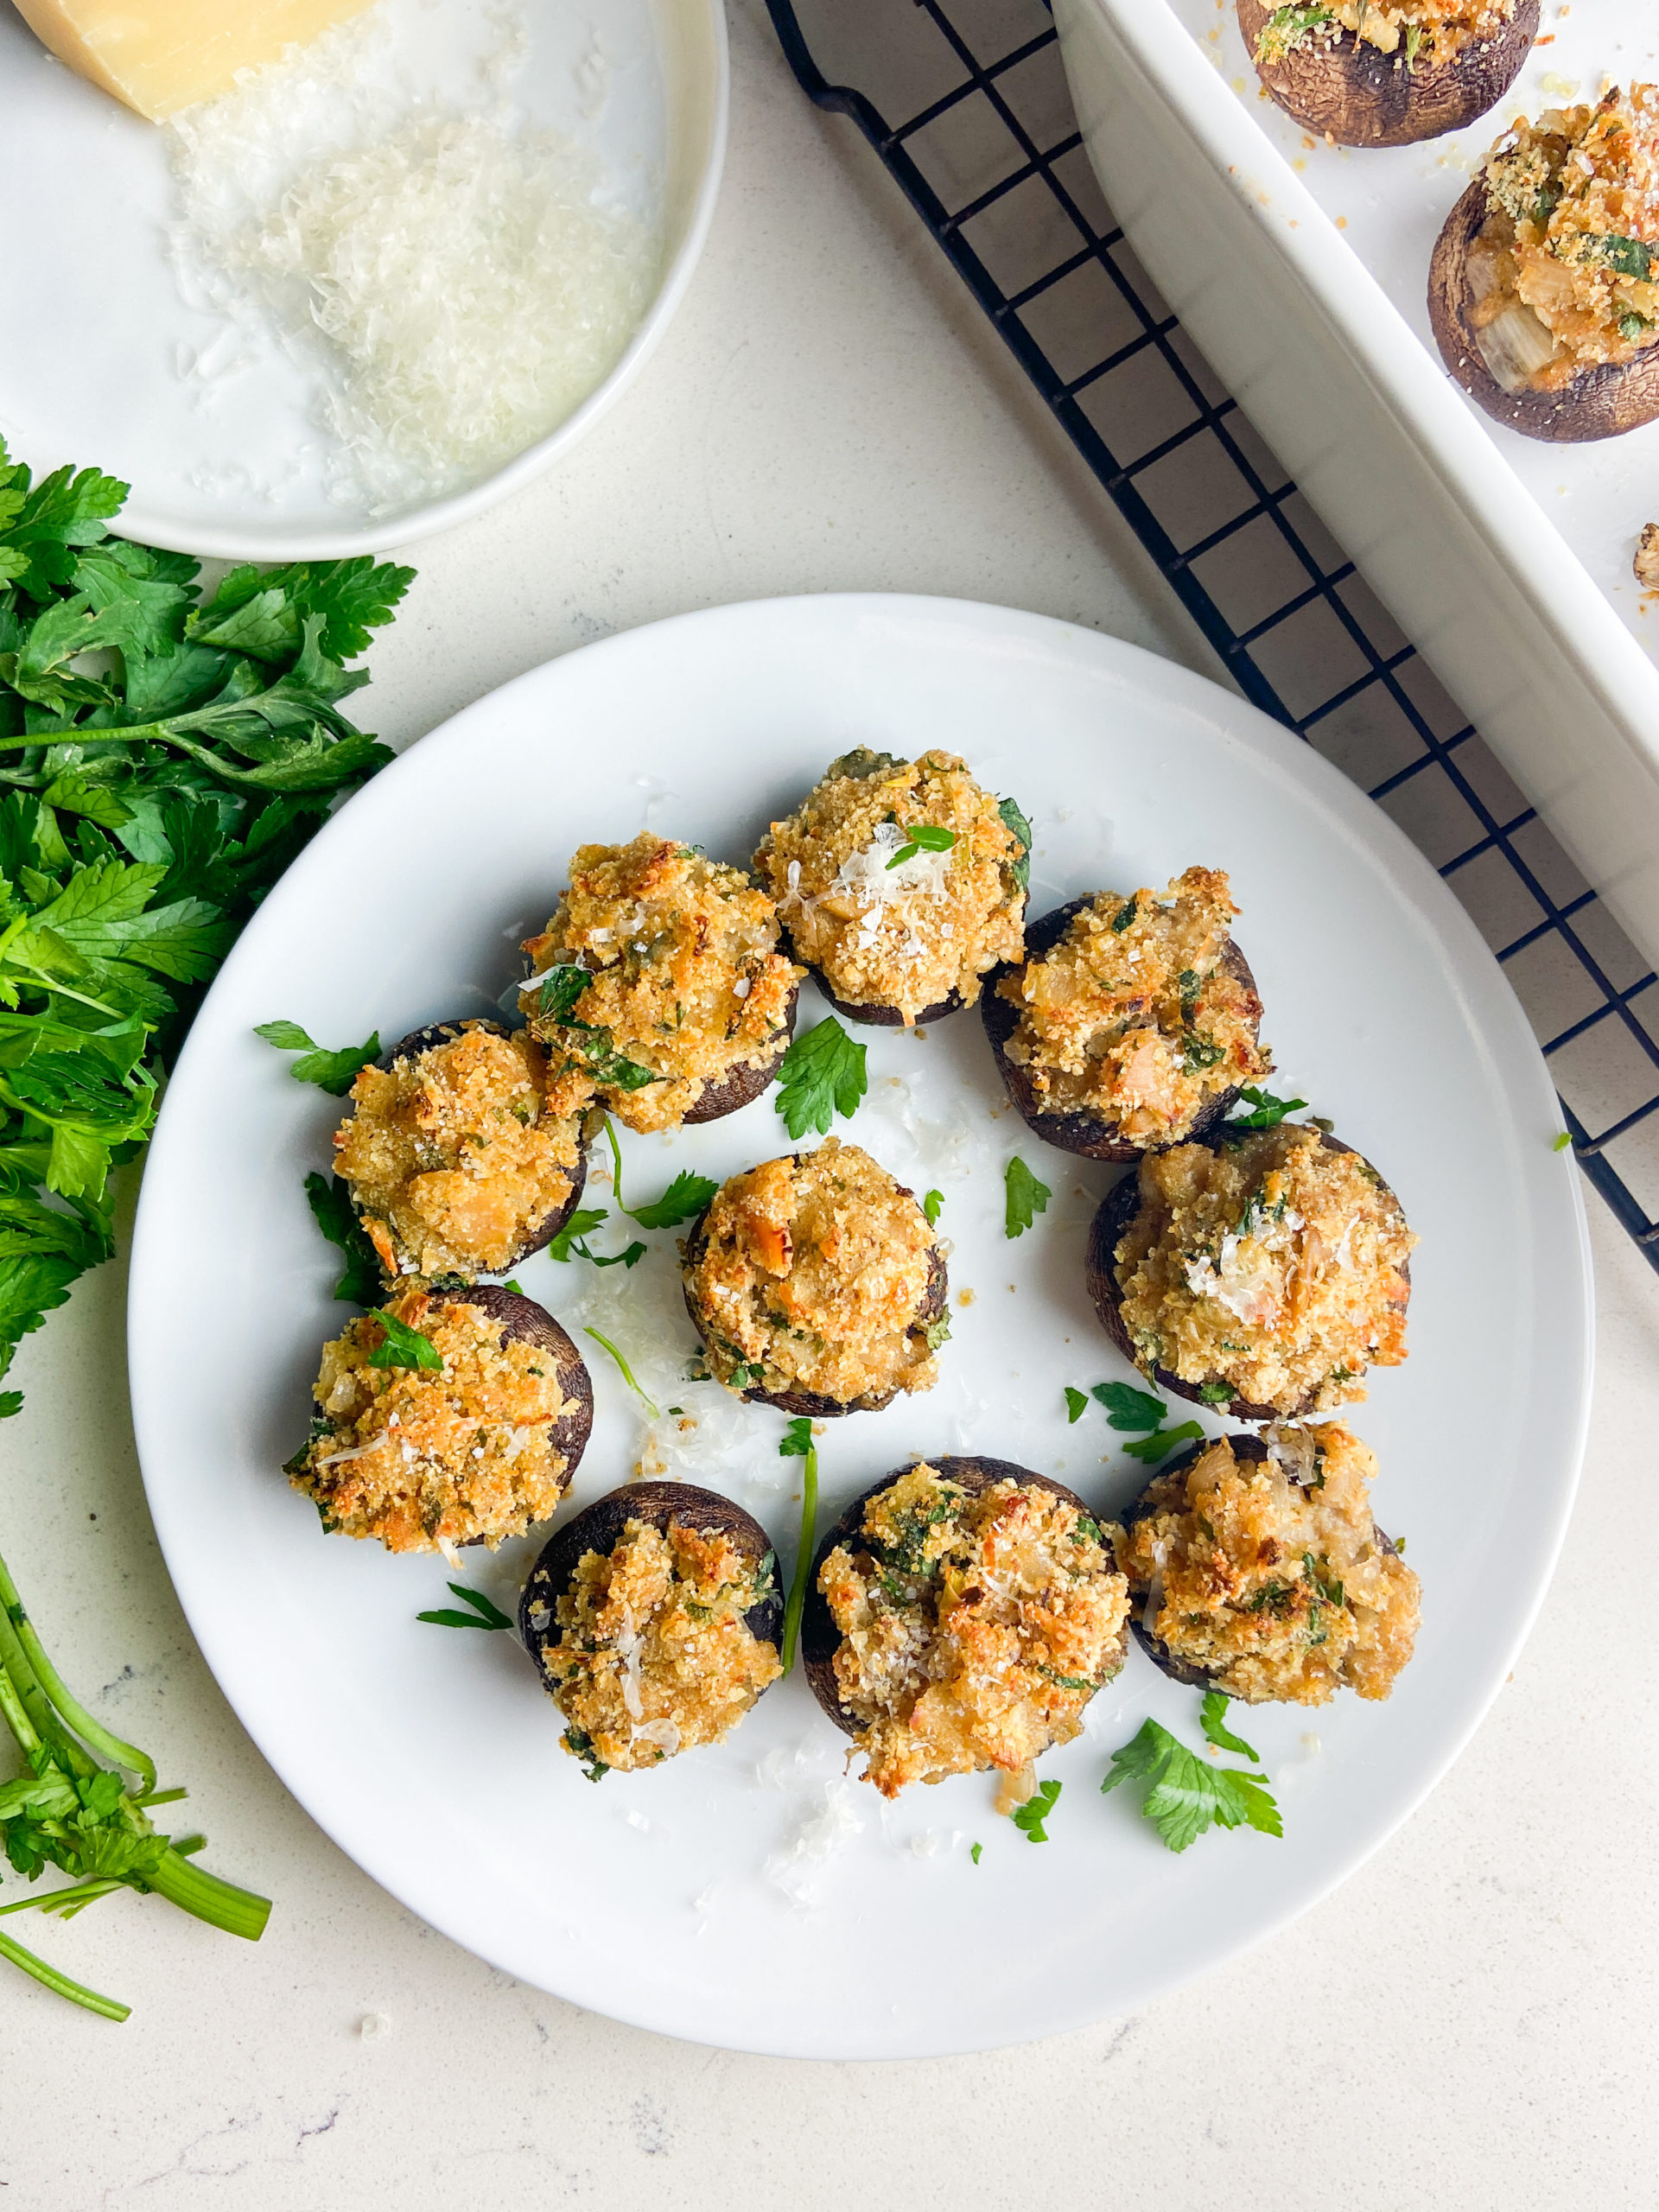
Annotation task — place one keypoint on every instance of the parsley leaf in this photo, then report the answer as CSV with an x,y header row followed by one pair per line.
x,y
930,1205
1187,1795
1129,1408
1270,1110
334,1073
330,1201
922,837
1562,1141
797,1444
1025,1198
1125,916
821,1075
1017,825
402,1346
570,1244
974,1852
1213,1720
1217,1394
561,988
1077,1404
1030,1816
686,1196
1150,1449
482,1611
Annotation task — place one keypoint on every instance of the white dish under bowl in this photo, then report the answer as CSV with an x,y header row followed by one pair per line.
x,y
236,466
1302,271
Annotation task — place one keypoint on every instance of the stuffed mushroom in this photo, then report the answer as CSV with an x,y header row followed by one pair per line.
x,y
1256,1568
900,883
1261,1276
1132,1021
817,1284
457,1162
657,987
654,1617
454,1416
961,1613
1387,72
1544,287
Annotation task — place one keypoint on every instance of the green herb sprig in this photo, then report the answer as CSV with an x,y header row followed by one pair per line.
x,y
330,1201
1269,1110
627,1375
481,1611
334,1073
1186,1795
797,1444
402,1346
1029,1817
1017,826
821,1075
922,837
1025,1197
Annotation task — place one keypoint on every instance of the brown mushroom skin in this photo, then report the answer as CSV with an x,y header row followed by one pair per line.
x,y
1360,96
1088,1135
445,1032
884,1017
522,1319
821,1638
600,1527
1181,1670
1116,1210
745,1084
813,1403
1601,402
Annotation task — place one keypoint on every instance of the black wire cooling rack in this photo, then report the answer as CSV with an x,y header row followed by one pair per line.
x,y
990,156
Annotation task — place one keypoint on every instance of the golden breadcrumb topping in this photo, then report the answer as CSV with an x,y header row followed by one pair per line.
x,y
426,1459
813,1273
975,1626
454,1155
1432,32
1271,1578
1569,254
688,984
1274,1264
1132,1019
654,1655
886,920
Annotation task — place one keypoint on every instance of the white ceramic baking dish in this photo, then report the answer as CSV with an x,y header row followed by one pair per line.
x,y
1301,271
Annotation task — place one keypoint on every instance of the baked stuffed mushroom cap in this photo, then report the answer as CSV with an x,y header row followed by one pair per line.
x,y
1132,1021
456,1160
1261,1276
658,988
1387,72
1256,1568
817,1284
962,1612
1544,287
462,1424
901,883
654,1618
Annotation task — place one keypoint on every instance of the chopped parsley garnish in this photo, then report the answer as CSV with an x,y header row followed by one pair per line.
x,y
571,1243
627,1373
607,1065
1150,1449
686,1196
482,1611
1017,825
1628,256
821,1075
1269,1111
1631,326
1029,1817
330,1201
1213,1720
930,1205
1562,1141
1186,1795
1188,981
976,1850
561,988
938,1333
797,1444
1127,1409
1199,1052
922,837
334,1073
1123,917
402,1346
1414,44
1287,29
1217,1394
1077,1404
592,1765
1027,1197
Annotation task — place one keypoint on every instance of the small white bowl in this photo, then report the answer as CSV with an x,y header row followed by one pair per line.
x,y
93,361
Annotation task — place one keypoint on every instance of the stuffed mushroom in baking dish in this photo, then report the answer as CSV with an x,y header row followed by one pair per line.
x,y
1255,1569
654,1617
1261,1276
1544,287
900,883
1133,1020
657,987
1387,72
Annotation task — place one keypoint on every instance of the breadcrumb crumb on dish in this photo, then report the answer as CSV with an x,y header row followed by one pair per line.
x,y
898,930
477,1450
1645,567
974,1610
691,1001
1258,1568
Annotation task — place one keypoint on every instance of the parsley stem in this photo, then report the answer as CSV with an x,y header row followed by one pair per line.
x,y
628,1373
221,1904
59,1983
616,1165
803,1557
76,1895
113,1747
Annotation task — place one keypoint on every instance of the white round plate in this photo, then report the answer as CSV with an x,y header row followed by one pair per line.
x,y
748,1894
220,435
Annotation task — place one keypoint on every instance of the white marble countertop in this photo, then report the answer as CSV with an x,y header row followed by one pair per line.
x,y
1469,2022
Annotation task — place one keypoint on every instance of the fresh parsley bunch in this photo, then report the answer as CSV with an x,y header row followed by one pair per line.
x,y
161,760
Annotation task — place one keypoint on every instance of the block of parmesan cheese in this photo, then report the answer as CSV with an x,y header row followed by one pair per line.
x,y
161,56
